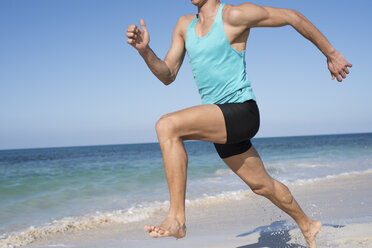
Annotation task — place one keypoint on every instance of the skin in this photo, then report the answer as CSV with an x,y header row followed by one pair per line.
x,y
194,123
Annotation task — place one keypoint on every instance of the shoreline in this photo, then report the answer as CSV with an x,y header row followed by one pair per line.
x,y
342,204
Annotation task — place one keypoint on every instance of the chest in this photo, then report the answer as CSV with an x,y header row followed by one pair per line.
x,y
202,29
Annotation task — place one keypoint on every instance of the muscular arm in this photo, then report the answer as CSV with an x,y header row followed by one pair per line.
x,y
166,70
251,15
157,66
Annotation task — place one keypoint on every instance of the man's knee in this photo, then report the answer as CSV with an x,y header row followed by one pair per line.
x,y
265,189
166,127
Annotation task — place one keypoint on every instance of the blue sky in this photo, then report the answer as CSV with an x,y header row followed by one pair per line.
x,y
68,78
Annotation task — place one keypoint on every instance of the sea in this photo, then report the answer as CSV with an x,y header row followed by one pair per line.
x,y
49,189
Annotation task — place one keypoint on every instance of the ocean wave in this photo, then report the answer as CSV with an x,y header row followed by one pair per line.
x,y
220,172
317,179
311,165
270,168
136,213
221,197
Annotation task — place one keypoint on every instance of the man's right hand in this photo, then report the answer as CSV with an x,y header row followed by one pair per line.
x,y
139,39
338,65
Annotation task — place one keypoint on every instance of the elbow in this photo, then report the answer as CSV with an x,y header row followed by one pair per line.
x,y
167,81
295,17
295,12
171,76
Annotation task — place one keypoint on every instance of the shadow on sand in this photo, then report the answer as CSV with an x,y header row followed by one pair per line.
x,y
275,235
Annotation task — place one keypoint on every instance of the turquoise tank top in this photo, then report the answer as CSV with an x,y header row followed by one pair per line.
x,y
218,68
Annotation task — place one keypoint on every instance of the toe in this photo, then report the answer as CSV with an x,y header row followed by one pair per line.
x,y
166,233
148,228
154,234
160,232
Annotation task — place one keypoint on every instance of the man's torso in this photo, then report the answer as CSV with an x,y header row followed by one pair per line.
x,y
218,67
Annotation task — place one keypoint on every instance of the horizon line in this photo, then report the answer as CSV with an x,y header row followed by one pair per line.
x,y
139,143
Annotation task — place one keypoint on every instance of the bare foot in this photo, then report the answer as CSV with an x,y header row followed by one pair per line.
x,y
169,227
311,232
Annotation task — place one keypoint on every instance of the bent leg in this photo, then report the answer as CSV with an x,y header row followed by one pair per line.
x,y
249,167
204,122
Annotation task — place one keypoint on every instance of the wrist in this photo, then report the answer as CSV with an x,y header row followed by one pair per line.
x,y
144,50
330,53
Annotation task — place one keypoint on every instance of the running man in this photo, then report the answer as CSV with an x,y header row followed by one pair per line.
x,y
215,41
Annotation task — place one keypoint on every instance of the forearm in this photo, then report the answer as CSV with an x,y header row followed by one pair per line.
x,y
310,32
157,66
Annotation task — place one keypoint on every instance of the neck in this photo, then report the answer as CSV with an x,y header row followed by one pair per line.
x,y
208,9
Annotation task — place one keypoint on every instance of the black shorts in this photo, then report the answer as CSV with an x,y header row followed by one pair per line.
x,y
242,122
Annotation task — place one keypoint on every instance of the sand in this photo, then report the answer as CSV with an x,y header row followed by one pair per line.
x,y
343,204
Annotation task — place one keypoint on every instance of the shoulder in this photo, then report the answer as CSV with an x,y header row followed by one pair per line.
x,y
186,18
182,24
243,14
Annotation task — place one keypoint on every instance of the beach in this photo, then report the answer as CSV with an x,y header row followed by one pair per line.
x,y
223,212
343,204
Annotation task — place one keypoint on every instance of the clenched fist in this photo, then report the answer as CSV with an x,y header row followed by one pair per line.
x,y
139,39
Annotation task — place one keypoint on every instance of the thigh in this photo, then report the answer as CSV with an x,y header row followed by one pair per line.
x,y
203,122
249,167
